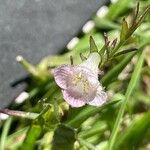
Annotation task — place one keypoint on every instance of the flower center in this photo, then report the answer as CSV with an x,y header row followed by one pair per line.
x,y
81,83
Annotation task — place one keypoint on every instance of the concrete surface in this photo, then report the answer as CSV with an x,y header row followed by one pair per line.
x,y
34,29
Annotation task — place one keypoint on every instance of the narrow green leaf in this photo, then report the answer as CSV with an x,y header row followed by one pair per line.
x,y
132,135
129,91
114,72
83,58
142,17
125,52
17,135
32,135
139,21
93,46
135,74
83,44
136,13
4,133
87,144
102,51
97,128
78,115
124,30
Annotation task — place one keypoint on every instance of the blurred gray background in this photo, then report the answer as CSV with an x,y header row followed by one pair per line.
x,y
34,29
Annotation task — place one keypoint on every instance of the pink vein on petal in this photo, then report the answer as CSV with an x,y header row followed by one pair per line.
x,y
100,98
62,75
71,100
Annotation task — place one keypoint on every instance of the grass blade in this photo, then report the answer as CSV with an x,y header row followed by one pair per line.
x,y
79,118
129,91
125,52
32,135
5,132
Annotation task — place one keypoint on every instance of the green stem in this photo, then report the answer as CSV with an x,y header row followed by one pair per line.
x,y
117,47
21,114
29,67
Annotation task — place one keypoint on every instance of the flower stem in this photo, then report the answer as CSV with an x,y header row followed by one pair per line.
x,y
22,114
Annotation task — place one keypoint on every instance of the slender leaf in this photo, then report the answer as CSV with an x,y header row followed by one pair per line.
x,y
138,21
77,118
87,144
97,128
83,58
124,30
5,131
83,45
125,52
20,134
129,91
142,17
114,72
93,46
32,135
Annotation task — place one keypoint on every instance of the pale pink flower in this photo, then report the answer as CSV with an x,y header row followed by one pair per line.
x,y
79,83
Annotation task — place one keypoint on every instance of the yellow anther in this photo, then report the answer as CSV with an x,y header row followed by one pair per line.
x,y
80,75
80,81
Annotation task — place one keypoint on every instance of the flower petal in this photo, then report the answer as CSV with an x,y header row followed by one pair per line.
x,y
71,100
62,75
84,84
88,73
92,62
100,98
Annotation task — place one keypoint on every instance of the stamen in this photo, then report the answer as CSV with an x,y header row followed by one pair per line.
x,y
80,75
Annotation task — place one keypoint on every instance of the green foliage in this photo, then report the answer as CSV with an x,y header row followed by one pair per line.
x,y
118,8
113,73
64,137
131,86
82,114
93,46
132,135
124,30
45,121
32,135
